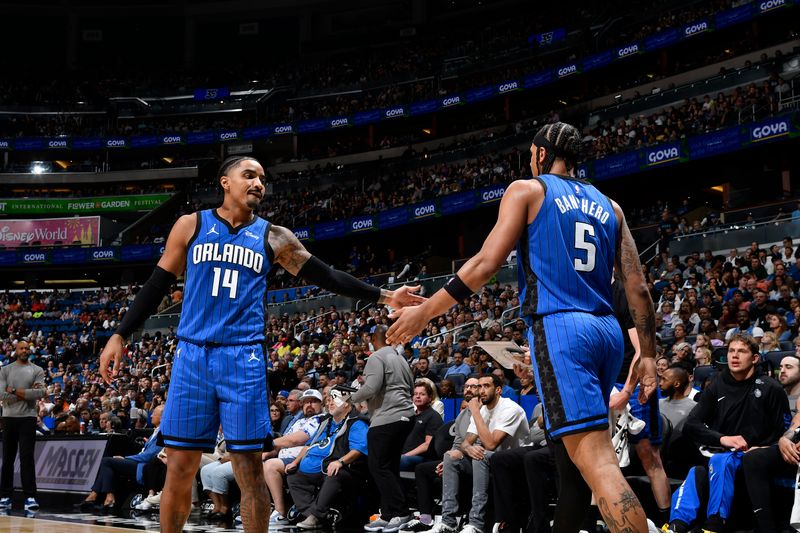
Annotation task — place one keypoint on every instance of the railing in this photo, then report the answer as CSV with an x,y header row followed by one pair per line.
x,y
428,340
509,311
153,371
312,319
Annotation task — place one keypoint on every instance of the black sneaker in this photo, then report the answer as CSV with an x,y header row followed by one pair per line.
x,y
415,526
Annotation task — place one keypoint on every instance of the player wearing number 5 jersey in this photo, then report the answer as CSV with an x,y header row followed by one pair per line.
x,y
219,368
569,237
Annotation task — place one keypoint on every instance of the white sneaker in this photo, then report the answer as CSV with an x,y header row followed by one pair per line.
x,y
311,522
651,527
441,527
278,520
154,500
31,505
396,524
470,529
144,505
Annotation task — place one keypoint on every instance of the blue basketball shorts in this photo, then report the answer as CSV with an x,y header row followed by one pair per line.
x,y
213,385
576,358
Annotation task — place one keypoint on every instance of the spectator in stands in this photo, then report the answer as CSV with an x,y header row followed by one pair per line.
x,y
436,404
114,469
458,366
778,326
425,473
332,460
497,423
276,414
789,378
675,404
288,447
426,423
217,477
422,369
507,392
744,327
447,389
294,410
738,410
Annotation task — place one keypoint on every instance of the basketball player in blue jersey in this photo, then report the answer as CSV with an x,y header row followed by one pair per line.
x,y
570,238
219,368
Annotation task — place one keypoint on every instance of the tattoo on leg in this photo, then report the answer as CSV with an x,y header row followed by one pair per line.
x,y
627,506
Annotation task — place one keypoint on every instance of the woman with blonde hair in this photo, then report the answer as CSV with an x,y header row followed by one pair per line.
x,y
436,404
702,356
769,343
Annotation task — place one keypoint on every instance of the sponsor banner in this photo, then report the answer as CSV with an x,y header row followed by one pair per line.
x,y
456,203
50,231
137,252
549,37
201,137
116,142
339,122
731,17
6,144
665,154
662,39
567,70
329,230
24,143
65,465
303,233
395,112
695,28
491,194
582,171
423,210
32,256
213,93
228,135
421,108
452,100
770,130
368,117
104,204
256,132
66,256
596,61
480,94
360,224
282,129
714,143
393,217
171,138
308,126
102,254
616,165
627,51
144,141
87,143
61,143
770,5
509,86
538,79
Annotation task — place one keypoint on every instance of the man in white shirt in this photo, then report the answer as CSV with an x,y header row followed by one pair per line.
x,y
497,424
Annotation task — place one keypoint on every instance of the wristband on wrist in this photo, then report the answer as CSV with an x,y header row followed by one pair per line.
x,y
457,289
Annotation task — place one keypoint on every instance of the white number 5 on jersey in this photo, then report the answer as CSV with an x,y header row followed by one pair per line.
x,y
583,229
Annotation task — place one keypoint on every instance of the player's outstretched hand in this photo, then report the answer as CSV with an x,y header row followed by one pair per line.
x,y
648,380
405,296
409,322
112,352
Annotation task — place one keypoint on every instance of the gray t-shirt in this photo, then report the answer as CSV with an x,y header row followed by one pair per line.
x,y
23,378
676,411
387,388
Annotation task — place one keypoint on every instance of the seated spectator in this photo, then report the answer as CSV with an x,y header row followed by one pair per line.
x,y
676,403
778,326
426,473
426,423
497,424
447,389
436,404
327,465
422,369
769,343
217,477
744,326
789,378
458,366
507,392
276,414
738,410
288,447
114,469
294,410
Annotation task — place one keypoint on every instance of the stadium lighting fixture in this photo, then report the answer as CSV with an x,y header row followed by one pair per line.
x,y
36,168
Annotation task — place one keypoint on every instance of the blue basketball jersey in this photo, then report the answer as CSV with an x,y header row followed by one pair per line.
x,y
566,255
226,282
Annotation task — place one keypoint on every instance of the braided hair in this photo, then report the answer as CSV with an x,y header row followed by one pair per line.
x,y
562,141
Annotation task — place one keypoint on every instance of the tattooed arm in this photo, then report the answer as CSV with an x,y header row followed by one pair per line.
x,y
640,304
290,253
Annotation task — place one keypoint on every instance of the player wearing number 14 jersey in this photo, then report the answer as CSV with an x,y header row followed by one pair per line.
x,y
219,367
569,237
